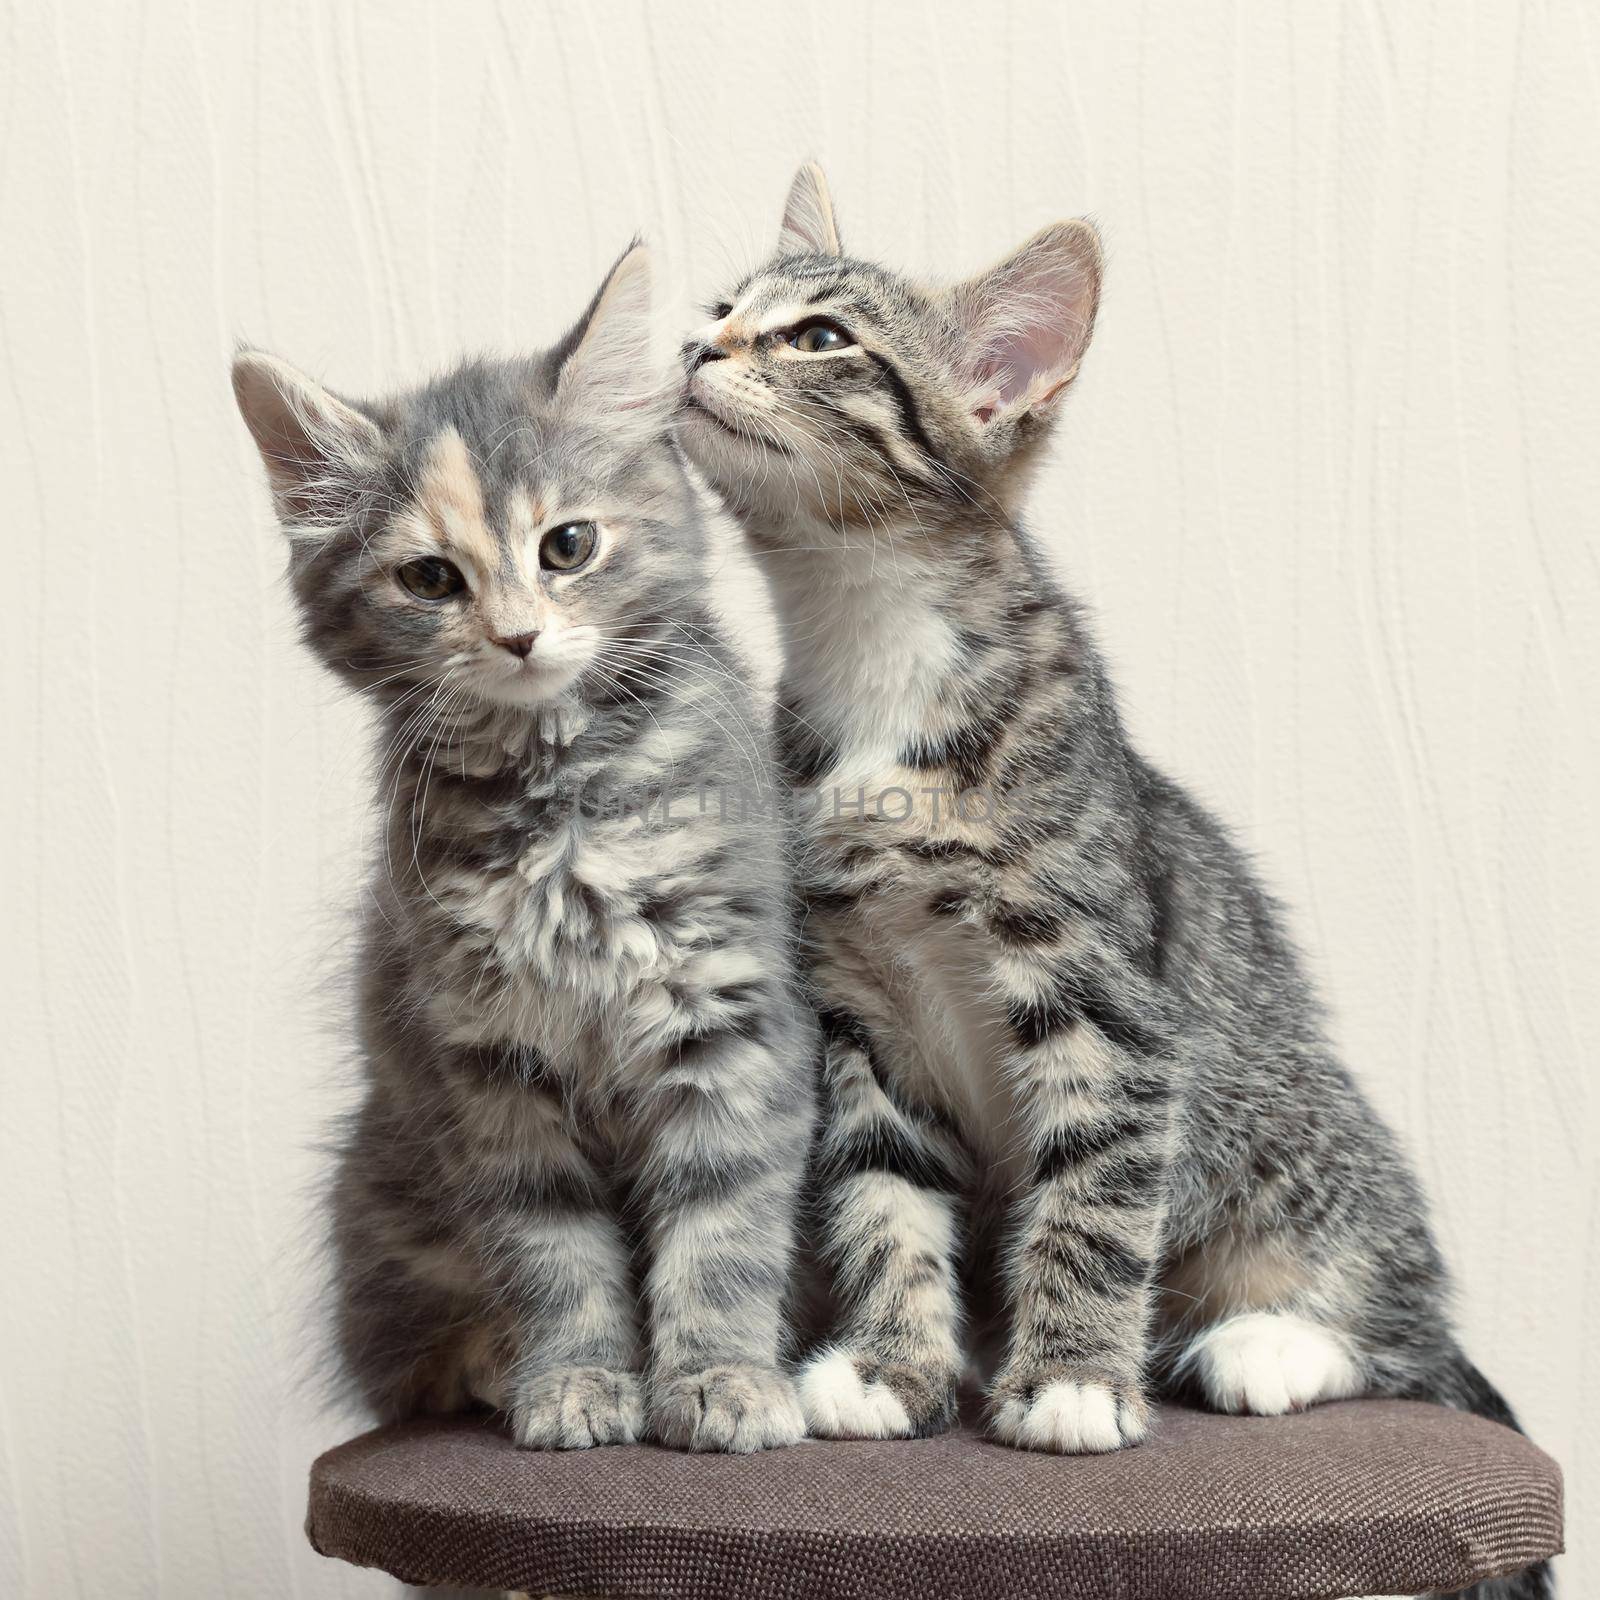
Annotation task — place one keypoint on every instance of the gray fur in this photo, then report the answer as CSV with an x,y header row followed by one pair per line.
x,y
568,1191
1082,1120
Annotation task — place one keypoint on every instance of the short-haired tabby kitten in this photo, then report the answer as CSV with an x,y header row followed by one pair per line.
x,y
589,1075
1063,1019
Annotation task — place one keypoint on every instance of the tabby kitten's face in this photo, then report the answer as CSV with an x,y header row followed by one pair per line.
x,y
829,389
502,534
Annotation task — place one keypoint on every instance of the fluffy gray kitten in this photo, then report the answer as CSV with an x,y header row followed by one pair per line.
x,y
569,1190
1072,1055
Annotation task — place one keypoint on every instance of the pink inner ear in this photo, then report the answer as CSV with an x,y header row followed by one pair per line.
x,y
1017,362
1045,341
1030,322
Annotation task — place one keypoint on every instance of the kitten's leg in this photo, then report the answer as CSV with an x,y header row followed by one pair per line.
x,y
574,1384
729,1124
889,1184
1092,1092
562,1261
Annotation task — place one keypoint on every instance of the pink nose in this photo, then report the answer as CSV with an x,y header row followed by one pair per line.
x,y
519,644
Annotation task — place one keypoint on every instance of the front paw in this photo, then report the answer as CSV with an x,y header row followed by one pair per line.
x,y
1068,1410
572,1408
848,1395
741,1409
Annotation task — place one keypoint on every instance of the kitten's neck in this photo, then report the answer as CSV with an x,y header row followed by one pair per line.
x,y
481,740
877,627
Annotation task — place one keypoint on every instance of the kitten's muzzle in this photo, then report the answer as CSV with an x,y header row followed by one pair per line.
x,y
696,355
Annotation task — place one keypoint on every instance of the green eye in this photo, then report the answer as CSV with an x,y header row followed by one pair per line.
x,y
566,548
816,338
432,578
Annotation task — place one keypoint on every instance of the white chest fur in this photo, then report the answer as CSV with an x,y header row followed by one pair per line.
x,y
876,657
937,970
876,653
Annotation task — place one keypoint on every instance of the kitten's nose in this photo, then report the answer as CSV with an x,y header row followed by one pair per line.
x,y
519,644
696,356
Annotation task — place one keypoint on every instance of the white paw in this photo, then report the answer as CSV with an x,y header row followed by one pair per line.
x,y
1267,1363
1069,1417
839,1404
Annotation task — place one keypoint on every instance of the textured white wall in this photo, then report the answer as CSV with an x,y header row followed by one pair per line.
x,y
1331,478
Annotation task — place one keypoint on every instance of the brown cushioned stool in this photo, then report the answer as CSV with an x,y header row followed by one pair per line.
x,y
1372,1497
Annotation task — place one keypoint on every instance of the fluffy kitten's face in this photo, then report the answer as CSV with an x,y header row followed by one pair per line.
x,y
502,535
828,389
500,559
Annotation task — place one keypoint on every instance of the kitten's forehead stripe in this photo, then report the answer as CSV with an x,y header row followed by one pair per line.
x,y
450,494
492,463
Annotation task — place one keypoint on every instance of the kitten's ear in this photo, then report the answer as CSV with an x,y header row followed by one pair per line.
x,y
1025,324
809,227
605,363
309,440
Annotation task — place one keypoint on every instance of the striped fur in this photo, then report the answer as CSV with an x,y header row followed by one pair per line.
x,y
1082,1122
569,1190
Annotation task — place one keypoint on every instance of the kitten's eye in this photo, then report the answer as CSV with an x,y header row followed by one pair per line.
x,y
816,338
432,578
566,548
720,310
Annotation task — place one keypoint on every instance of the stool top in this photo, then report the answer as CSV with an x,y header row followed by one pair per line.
x,y
1366,1497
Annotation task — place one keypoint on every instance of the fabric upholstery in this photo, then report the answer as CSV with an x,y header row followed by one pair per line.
x,y
1365,1498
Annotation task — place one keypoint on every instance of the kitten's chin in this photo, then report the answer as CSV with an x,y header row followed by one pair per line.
x,y
528,688
754,482
724,453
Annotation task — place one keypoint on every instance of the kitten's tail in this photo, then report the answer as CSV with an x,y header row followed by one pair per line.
x,y
1459,1384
